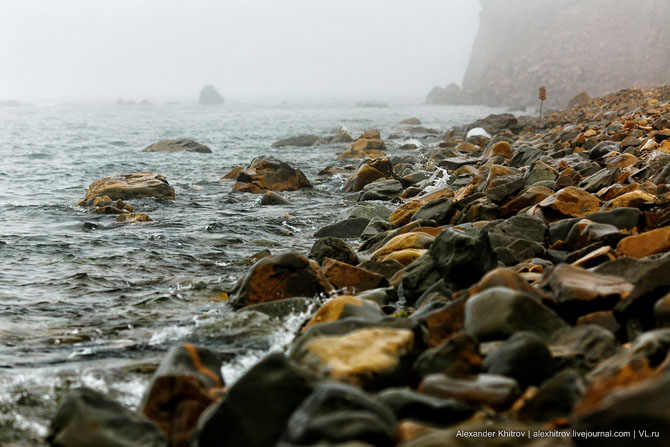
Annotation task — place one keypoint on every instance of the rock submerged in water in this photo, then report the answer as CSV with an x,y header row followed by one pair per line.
x,y
183,144
270,174
210,96
313,140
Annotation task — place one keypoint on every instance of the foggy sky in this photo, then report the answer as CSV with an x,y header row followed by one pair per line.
x,y
168,49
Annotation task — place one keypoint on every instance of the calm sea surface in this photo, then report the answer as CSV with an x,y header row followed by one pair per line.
x,y
86,301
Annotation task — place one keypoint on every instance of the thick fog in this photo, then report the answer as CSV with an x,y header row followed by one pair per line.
x,y
167,49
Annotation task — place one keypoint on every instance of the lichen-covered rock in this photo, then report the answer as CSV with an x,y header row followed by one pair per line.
x,y
129,186
370,358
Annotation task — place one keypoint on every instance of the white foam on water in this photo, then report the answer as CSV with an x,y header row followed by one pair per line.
x,y
235,369
439,180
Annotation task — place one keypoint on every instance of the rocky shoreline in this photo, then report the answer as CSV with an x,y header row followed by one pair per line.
x,y
516,294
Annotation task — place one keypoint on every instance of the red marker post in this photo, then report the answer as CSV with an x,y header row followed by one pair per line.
x,y
543,97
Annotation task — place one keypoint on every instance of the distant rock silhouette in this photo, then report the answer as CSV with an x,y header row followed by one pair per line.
x,y
209,95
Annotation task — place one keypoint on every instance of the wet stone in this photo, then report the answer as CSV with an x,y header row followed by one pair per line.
x,y
334,248
523,357
498,392
408,404
498,312
85,417
337,413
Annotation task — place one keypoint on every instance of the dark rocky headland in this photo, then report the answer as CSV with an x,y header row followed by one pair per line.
x,y
569,46
517,294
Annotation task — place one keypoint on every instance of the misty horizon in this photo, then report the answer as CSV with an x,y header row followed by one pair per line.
x,y
167,50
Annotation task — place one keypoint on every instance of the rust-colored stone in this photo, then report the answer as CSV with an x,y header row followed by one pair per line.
x,y
130,186
571,201
353,279
403,241
529,197
645,244
269,174
282,276
405,256
364,175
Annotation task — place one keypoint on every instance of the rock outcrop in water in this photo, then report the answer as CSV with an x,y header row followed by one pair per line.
x,y
342,136
210,96
129,186
569,46
183,144
521,286
270,174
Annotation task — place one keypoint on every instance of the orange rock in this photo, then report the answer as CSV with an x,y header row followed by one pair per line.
x,y
629,373
617,189
133,218
130,186
633,199
281,276
495,172
529,197
186,383
502,277
404,257
369,153
645,244
571,201
403,214
467,147
403,241
364,357
409,429
467,170
372,134
364,144
232,174
502,148
576,291
340,307
444,322
431,231
596,257
270,174
354,279
364,175
621,161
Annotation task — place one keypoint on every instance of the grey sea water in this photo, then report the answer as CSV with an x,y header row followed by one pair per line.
x,y
86,301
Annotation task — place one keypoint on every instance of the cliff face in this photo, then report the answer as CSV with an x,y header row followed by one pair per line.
x,y
570,46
